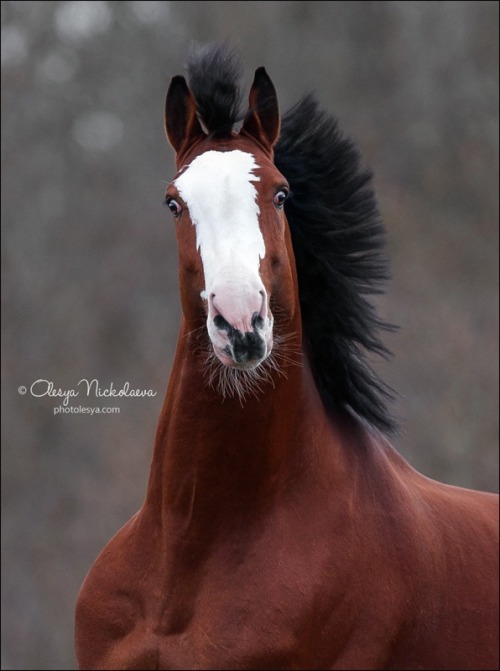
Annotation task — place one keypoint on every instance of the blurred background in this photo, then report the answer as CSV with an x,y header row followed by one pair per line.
x,y
90,263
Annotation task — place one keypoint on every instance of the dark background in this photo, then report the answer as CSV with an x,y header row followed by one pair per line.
x,y
90,262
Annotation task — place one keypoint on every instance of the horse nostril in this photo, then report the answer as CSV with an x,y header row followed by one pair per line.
x,y
223,325
263,311
257,321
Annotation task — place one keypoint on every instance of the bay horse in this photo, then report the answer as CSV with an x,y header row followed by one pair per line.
x,y
280,529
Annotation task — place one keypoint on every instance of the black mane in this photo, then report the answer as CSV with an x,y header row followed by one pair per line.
x,y
337,238
336,231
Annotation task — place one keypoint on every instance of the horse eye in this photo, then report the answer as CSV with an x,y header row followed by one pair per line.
x,y
280,197
173,206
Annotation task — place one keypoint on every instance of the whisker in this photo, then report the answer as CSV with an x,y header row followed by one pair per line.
x,y
243,383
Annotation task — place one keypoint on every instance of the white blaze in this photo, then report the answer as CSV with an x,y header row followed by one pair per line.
x,y
217,188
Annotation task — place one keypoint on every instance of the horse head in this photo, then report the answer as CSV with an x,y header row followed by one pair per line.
x,y
227,198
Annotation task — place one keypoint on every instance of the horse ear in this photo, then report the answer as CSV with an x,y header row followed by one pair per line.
x,y
263,118
181,123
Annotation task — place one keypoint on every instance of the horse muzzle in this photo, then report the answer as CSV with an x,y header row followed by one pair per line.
x,y
240,350
240,326
243,348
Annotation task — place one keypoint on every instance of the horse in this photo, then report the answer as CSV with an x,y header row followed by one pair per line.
x,y
280,528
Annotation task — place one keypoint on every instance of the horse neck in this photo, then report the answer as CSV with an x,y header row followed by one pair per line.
x,y
216,458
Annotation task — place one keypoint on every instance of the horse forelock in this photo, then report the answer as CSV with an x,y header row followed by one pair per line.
x,y
214,73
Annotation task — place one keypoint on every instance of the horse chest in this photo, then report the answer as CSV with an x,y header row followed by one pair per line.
x,y
273,604
247,613
217,621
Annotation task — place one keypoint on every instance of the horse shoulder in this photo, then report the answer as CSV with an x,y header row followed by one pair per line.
x,y
448,549
110,605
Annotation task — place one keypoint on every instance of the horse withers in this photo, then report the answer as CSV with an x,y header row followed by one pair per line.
x,y
280,529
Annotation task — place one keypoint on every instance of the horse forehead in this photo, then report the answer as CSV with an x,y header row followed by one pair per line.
x,y
218,189
219,173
